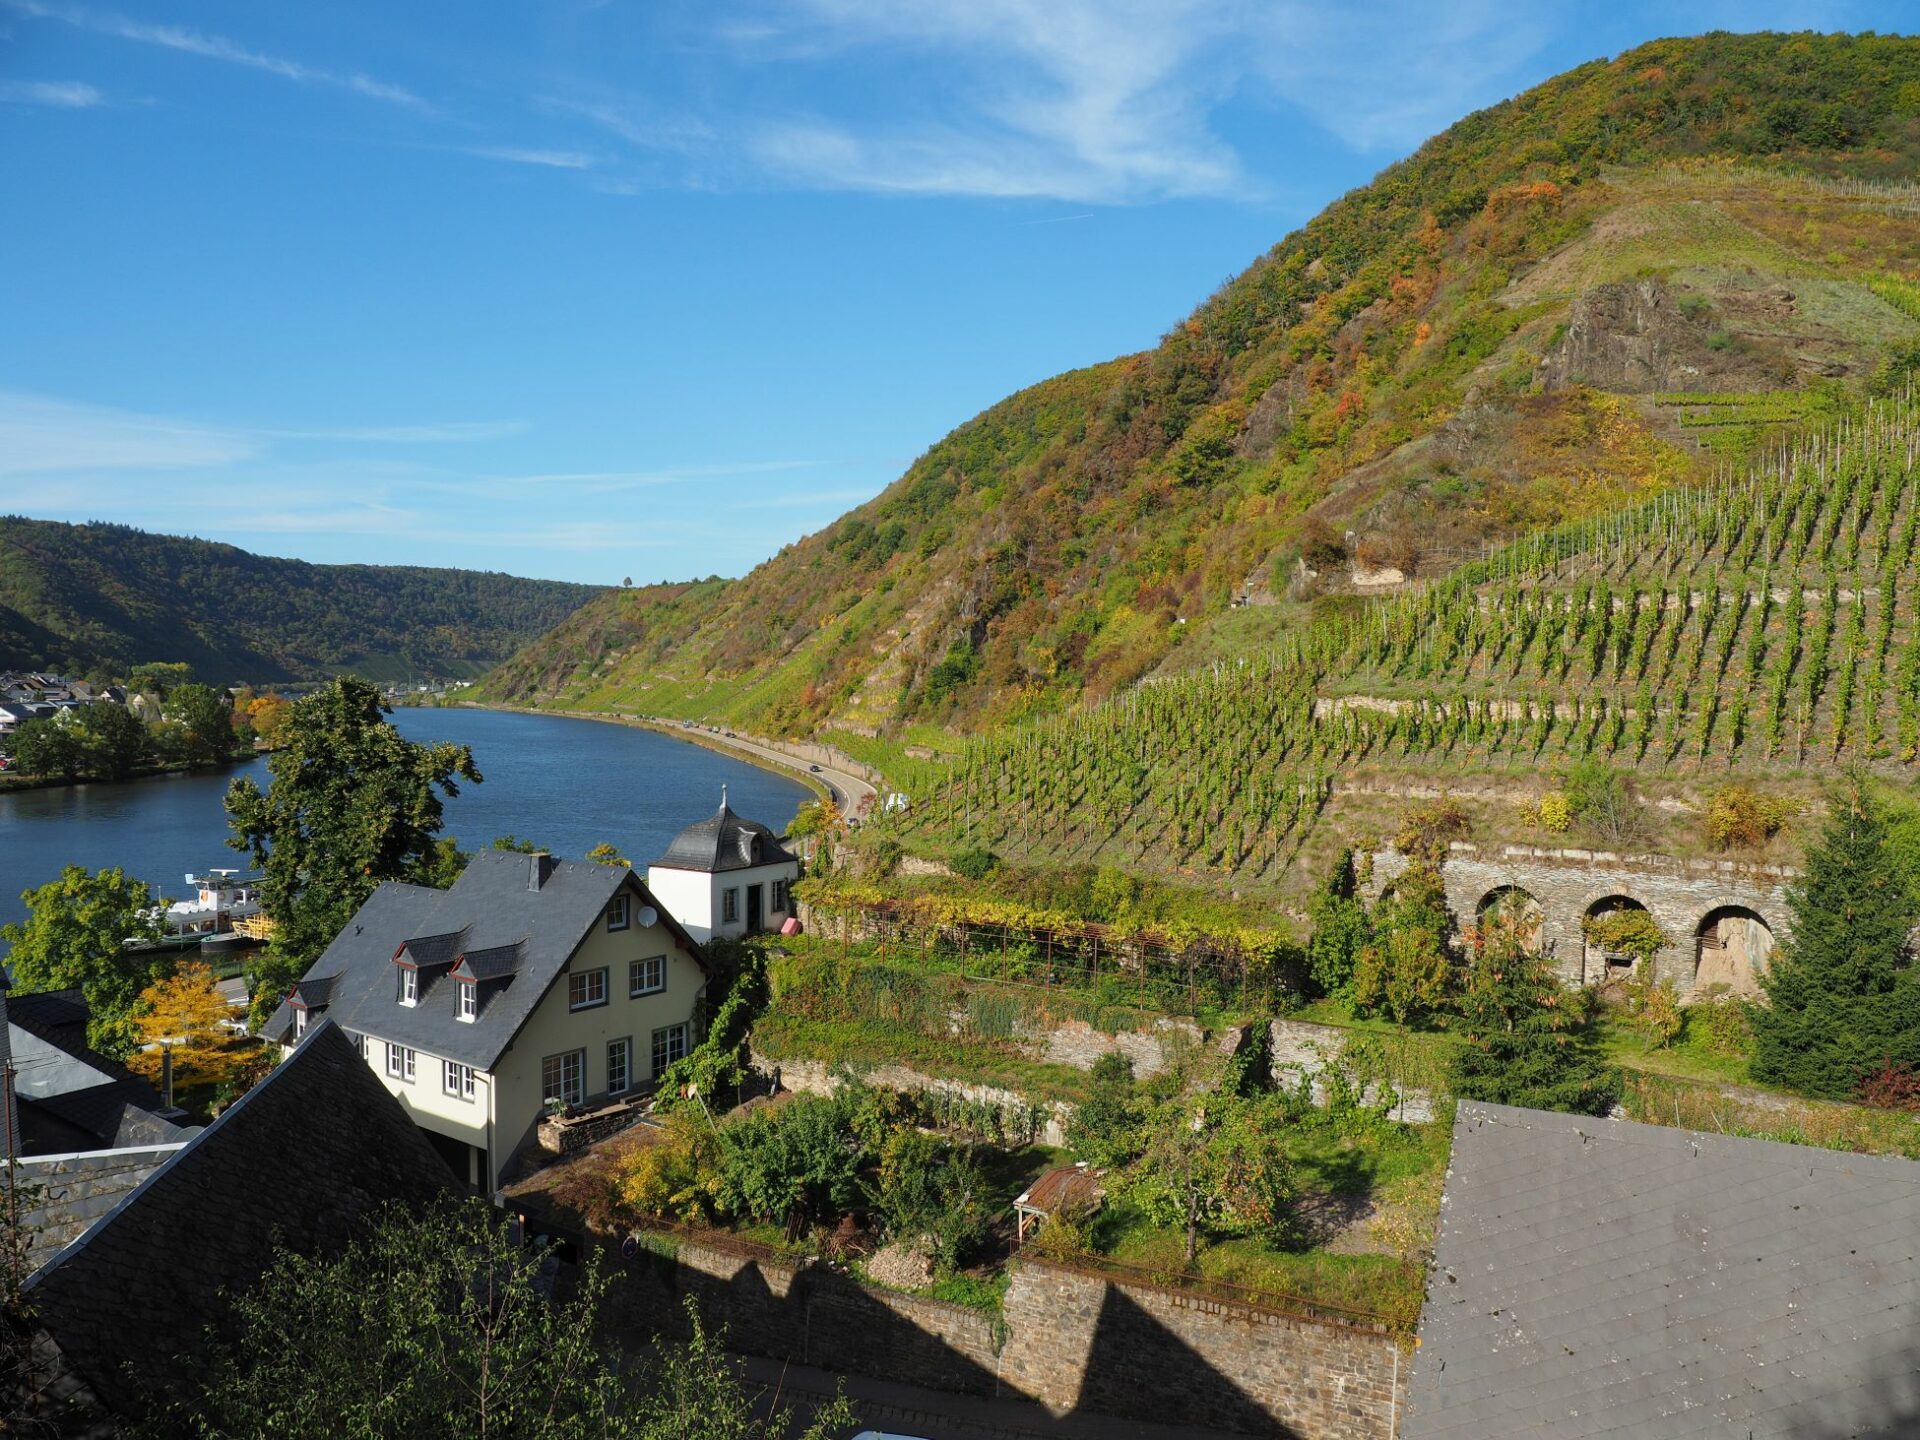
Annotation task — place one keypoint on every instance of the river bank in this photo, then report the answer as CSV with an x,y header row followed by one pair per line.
x,y
11,780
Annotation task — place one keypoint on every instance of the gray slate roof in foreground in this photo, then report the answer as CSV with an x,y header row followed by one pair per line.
x,y
1604,1278
308,1155
519,938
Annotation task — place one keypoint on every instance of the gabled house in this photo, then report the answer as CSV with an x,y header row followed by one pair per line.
x,y
726,876
530,983
307,1158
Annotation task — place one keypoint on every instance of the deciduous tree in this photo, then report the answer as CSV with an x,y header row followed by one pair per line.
x,y
73,938
186,1012
351,803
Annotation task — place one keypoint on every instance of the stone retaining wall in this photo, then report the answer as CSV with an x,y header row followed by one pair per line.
x,y
814,1077
1071,1340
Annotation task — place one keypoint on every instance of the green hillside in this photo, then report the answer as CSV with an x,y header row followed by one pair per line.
x,y
102,598
1762,629
1622,281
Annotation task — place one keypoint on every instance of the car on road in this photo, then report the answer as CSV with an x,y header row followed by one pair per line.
x,y
814,768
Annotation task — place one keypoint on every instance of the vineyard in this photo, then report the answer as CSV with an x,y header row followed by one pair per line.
x,y
1763,623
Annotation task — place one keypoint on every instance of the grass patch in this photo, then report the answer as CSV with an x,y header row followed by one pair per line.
x,y
1389,1286
1829,1125
866,1043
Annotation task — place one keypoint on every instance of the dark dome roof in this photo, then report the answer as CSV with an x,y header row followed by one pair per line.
x,y
723,841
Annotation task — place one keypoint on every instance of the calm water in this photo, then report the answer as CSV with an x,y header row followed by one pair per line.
x,y
564,784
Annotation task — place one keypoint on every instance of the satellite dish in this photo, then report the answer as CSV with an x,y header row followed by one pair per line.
x,y
648,916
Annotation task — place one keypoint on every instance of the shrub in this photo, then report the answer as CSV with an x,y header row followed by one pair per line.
x,y
1321,546
1406,970
975,863
1105,1128
1603,800
1425,830
1653,1010
1556,812
1740,817
926,1187
1891,1087
1340,928
1626,932
677,1178
1720,1020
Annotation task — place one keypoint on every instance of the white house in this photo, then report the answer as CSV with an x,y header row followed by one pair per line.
x,y
725,876
530,980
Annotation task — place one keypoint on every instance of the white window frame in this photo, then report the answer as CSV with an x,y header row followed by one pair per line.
x,y
639,976
730,905
619,911
469,1001
401,1062
669,1044
623,1049
777,905
456,1079
559,1089
299,1021
409,985
582,983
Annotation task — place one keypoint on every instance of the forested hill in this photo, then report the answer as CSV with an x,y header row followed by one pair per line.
x,y
1620,281
88,599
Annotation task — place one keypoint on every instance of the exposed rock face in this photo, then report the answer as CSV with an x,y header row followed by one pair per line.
x,y
1637,338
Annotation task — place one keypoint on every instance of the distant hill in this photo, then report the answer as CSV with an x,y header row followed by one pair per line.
x,y
1623,280
86,598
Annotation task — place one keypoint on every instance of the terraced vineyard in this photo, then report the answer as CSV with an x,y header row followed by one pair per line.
x,y
1766,622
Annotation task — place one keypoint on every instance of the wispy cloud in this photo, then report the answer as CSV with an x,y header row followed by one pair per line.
x,y
518,155
218,47
58,94
458,432
40,436
1112,101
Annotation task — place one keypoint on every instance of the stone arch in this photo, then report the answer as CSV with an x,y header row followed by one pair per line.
x,y
1516,903
1599,965
1731,945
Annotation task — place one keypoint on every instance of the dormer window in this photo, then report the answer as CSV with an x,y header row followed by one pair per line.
x,y
469,1000
617,912
409,985
299,1023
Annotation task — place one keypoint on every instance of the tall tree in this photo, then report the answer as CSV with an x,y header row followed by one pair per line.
x,y
1340,929
54,749
1215,1164
1843,996
116,741
74,938
441,1325
204,716
1529,1039
351,803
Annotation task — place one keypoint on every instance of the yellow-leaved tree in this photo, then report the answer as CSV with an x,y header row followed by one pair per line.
x,y
186,1013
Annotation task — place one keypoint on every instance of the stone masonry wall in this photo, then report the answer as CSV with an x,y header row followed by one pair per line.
x,y
815,1077
1567,883
1073,1341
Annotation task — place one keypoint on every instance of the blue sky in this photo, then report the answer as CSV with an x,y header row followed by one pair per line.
x,y
647,288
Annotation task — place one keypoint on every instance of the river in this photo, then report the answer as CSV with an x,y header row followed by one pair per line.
x,y
564,784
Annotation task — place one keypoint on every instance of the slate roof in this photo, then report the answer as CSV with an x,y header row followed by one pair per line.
x,y
521,936
1603,1278
125,1110
724,841
308,1154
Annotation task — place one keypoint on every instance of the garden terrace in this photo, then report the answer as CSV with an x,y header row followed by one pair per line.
x,y
1165,969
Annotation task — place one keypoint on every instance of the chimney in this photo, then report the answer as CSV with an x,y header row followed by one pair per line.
x,y
539,867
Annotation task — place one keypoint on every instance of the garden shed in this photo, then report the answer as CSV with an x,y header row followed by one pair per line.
x,y
1072,1189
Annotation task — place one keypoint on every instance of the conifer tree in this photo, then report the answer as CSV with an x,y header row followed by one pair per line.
x,y
1529,1039
1843,997
1340,928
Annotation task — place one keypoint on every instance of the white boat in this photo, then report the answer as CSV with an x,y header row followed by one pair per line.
x,y
221,897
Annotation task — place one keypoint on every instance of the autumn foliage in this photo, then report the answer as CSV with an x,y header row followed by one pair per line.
x,y
186,1013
